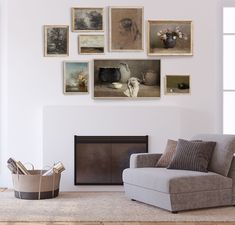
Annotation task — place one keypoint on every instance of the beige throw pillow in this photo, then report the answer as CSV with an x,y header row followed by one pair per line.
x,y
168,154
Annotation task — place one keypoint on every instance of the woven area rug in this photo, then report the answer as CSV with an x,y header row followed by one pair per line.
x,y
98,207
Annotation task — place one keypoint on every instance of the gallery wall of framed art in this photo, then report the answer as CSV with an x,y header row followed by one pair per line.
x,y
123,29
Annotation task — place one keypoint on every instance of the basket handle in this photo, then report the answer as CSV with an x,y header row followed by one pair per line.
x,y
17,172
29,163
40,185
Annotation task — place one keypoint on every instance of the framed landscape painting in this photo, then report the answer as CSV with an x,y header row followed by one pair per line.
x,y
91,44
56,41
126,28
177,84
87,19
127,78
170,37
76,77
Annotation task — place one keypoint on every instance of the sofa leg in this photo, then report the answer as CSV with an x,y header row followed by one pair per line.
x,y
133,200
174,212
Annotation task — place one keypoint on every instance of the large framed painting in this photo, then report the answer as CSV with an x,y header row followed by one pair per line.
x,y
87,19
91,44
127,78
56,41
177,84
126,28
76,75
170,37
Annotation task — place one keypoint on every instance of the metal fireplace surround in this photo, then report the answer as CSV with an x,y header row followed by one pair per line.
x,y
100,160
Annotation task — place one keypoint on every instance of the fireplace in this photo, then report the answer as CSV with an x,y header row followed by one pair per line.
x,y
100,160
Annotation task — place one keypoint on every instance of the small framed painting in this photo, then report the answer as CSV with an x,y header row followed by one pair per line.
x,y
87,19
170,37
127,78
76,77
56,41
126,28
91,44
177,84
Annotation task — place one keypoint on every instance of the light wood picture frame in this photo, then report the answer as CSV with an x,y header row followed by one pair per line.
x,y
127,79
87,19
170,37
76,77
126,28
56,40
91,44
177,84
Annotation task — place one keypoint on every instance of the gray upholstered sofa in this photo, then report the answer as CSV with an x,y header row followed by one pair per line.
x,y
177,190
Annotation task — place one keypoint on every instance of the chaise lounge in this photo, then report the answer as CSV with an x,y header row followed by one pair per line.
x,y
177,190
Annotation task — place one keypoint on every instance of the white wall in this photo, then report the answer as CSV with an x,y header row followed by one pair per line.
x,y
32,81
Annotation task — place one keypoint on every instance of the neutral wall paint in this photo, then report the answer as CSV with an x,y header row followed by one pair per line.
x,y
32,81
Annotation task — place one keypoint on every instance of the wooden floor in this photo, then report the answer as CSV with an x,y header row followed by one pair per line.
x,y
114,223
117,223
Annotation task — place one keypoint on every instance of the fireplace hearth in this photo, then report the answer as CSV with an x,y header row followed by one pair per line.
x,y
100,160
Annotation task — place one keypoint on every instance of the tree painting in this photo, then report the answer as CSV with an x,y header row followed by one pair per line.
x,y
57,40
85,19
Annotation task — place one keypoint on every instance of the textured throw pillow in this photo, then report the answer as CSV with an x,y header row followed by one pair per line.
x,y
168,154
192,155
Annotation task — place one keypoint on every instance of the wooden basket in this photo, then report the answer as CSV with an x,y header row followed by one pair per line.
x,y
35,186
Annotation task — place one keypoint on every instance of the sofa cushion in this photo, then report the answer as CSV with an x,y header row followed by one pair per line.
x,y
175,181
223,153
192,155
168,154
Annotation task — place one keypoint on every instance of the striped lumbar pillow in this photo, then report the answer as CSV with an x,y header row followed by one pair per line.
x,y
168,154
192,155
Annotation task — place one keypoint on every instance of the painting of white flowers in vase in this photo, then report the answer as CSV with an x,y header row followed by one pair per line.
x,y
170,37
76,77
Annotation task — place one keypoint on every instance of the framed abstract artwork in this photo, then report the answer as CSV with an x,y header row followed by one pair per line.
x,y
126,28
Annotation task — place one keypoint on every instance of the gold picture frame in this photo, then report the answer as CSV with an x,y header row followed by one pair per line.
x,y
177,84
76,77
170,37
126,28
87,19
91,44
56,40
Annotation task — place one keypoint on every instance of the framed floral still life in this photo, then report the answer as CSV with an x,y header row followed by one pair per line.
x,y
76,77
56,40
170,37
126,28
87,19
177,84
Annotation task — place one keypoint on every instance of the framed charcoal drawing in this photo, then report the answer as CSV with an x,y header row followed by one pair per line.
x,y
126,28
87,19
127,78
56,40
177,84
170,37
91,44
76,75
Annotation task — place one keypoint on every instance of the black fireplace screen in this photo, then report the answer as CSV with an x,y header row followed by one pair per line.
x,y
100,160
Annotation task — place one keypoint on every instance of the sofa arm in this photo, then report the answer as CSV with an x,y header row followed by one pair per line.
x,y
144,160
232,175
